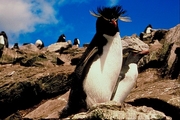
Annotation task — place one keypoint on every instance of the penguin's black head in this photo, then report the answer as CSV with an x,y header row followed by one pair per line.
x,y
4,34
107,22
149,26
63,37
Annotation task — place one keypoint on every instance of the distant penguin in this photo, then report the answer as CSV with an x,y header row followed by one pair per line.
x,y
1,42
76,42
16,46
6,43
62,38
147,33
129,74
148,29
99,67
39,44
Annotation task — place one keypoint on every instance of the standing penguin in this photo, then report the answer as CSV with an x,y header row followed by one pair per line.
x,y
129,74
148,29
39,44
6,43
76,42
62,38
1,42
95,76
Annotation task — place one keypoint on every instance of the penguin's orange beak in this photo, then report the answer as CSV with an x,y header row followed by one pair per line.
x,y
114,22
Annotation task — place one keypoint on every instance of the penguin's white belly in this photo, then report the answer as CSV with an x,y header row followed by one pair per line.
x,y
148,30
125,86
103,73
1,39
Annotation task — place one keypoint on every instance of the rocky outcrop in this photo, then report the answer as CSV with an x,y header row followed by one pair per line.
x,y
34,83
24,87
162,50
58,47
114,111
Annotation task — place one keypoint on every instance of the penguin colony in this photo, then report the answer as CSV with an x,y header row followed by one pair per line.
x,y
95,76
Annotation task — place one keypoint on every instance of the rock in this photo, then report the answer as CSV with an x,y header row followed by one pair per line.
x,y
171,41
85,45
14,116
113,110
40,60
9,56
57,47
175,70
159,35
153,91
29,47
134,43
53,106
162,51
27,86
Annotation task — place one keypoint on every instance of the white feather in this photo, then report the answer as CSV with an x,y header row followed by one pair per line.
x,y
103,73
148,30
78,41
125,19
125,86
1,39
38,42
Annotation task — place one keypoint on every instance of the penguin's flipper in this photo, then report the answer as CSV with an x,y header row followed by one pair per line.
x,y
80,68
91,53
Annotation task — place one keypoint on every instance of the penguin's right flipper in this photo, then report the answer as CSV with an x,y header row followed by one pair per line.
x,y
80,68
76,100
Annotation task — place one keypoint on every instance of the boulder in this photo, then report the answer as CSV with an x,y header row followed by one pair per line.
x,y
162,53
58,47
9,56
29,47
112,110
53,105
134,43
23,87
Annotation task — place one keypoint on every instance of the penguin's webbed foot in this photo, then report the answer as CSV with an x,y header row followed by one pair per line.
x,y
65,112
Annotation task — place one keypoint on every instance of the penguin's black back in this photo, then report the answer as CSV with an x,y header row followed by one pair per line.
x,y
61,38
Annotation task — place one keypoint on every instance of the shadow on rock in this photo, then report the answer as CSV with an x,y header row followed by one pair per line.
x,y
159,105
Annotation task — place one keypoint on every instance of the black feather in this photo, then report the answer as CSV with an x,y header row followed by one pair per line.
x,y
111,12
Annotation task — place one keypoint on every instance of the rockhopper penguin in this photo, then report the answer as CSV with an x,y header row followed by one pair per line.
x,y
96,73
6,43
129,74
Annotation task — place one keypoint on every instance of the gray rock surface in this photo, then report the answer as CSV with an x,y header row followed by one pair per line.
x,y
58,46
114,111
